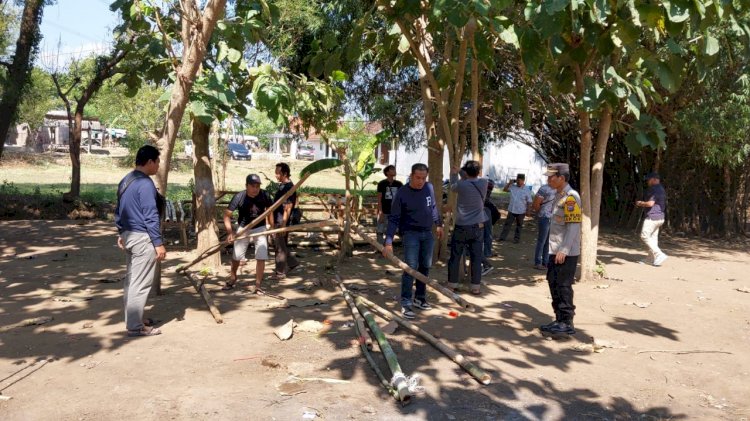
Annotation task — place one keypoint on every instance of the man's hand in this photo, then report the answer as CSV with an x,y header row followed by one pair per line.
x,y
230,237
120,243
161,253
638,203
560,258
439,232
381,217
387,250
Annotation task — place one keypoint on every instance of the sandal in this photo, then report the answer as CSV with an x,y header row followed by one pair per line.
x,y
476,291
229,286
256,290
144,332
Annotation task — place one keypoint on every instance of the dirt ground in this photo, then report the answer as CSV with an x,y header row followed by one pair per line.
x,y
675,339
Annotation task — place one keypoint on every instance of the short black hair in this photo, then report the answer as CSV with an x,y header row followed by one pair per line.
x,y
146,153
284,168
419,167
388,168
472,168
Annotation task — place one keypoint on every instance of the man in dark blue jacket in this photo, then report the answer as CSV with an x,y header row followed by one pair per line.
x,y
414,211
137,220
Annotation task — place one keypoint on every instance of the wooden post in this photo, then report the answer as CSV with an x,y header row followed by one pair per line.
x,y
459,359
431,282
198,284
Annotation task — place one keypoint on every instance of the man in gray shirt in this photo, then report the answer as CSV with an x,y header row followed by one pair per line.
x,y
564,249
543,206
469,229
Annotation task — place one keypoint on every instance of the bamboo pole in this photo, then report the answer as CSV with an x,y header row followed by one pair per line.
x,y
431,282
363,337
399,379
295,228
198,284
261,217
378,372
459,359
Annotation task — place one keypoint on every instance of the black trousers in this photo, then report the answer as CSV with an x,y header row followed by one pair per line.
x,y
469,237
518,219
560,279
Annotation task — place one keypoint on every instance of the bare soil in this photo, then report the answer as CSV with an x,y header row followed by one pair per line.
x,y
676,338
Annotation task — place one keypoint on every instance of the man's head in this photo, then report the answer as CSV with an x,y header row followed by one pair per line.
x,y
472,169
490,185
390,172
653,178
558,175
418,176
147,159
521,180
282,171
252,185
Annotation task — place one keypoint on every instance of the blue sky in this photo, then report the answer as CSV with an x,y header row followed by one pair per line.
x,y
82,27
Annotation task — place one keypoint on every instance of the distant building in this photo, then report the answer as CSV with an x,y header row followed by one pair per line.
x,y
55,132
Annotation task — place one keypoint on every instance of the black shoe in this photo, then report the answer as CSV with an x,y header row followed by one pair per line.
x,y
561,328
407,312
545,328
422,304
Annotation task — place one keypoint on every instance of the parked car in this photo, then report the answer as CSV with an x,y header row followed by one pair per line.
x,y
239,151
306,151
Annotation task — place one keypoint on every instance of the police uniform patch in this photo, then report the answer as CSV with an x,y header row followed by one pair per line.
x,y
572,210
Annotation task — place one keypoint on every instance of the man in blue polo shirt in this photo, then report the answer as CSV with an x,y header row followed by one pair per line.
x,y
413,212
656,206
138,224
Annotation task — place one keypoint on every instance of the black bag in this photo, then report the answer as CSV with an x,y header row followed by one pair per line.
x,y
494,213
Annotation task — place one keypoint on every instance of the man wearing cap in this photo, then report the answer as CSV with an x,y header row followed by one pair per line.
x,y
564,249
249,204
656,206
470,221
519,207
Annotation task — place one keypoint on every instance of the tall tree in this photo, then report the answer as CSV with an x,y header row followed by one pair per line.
x,y
82,88
19,69
612,56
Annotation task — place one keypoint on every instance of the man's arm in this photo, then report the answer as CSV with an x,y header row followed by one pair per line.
x,y
228,225
537,203
393,220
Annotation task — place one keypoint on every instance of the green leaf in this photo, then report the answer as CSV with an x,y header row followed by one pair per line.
x,y
710,45
223,50
677,10
320,165
234,55
700,8
338,76
633,106
554,6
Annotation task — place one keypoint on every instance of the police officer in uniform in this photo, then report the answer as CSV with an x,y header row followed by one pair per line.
x,y
564,249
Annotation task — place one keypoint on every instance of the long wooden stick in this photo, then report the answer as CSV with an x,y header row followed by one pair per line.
x,y
697,351
459,359
431,282
399,379
358,320
198,284
299,227
261,217
378,372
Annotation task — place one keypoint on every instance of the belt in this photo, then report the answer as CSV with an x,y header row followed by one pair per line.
x,y
479,225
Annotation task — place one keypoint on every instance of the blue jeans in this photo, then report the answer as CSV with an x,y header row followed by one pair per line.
x,y
542,242
418,247
488,234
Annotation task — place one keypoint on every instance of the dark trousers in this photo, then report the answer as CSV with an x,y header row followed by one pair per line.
x,y
469,237
560,279
518,217
284,260
418,246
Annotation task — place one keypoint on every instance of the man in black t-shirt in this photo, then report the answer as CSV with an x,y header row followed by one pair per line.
x,y
285,261
249,204
656,206
386,192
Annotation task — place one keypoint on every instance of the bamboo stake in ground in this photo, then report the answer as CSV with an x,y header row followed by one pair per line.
x,y
364,337
399,378
198,284
431,282
459,359
261,217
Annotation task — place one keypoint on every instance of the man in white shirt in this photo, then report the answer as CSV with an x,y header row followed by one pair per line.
x,y
519,207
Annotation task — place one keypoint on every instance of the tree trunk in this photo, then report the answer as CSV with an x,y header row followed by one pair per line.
x,y
347,245
475,155
199,33
75,155
726,214
205,206
19,70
